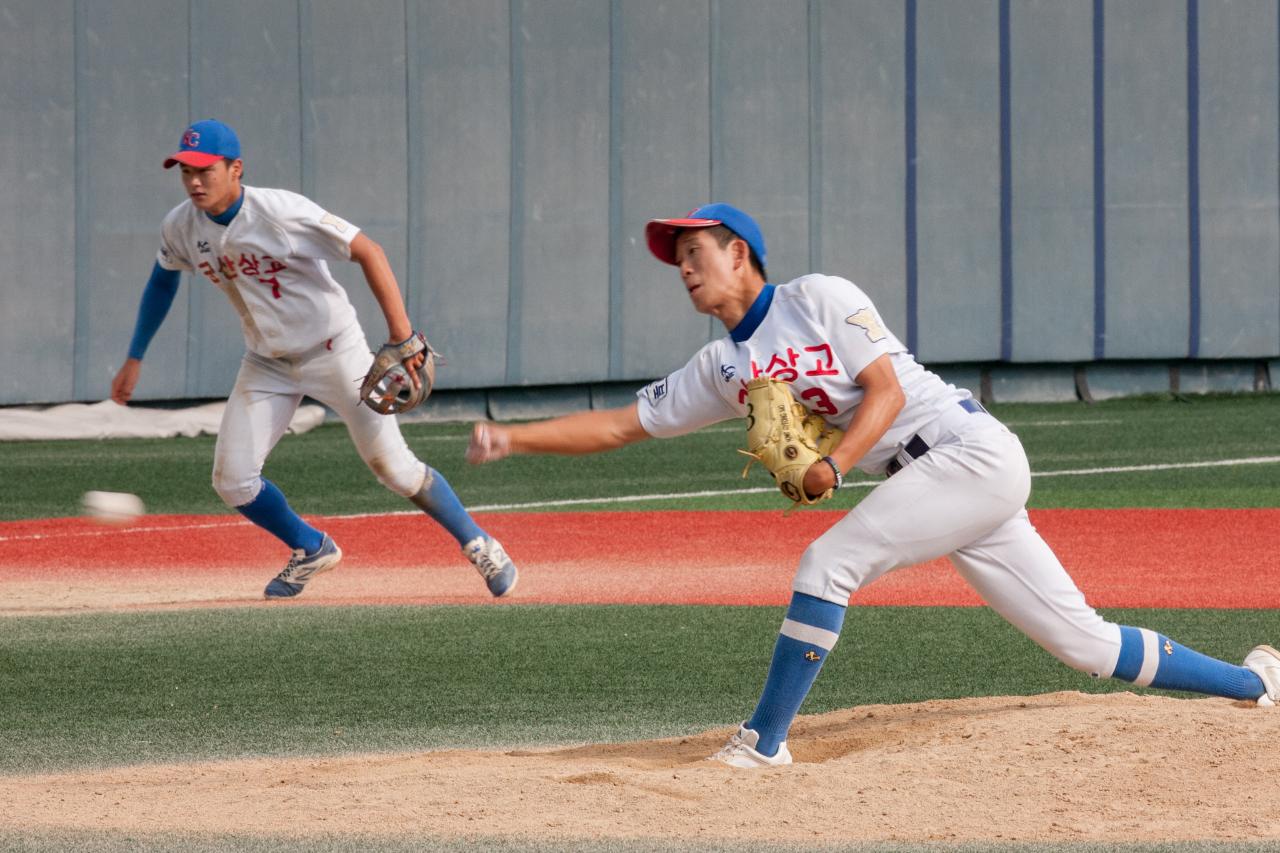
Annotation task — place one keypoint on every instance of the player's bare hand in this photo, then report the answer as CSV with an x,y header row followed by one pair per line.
x,y
818,478
413,364
125,381
489,443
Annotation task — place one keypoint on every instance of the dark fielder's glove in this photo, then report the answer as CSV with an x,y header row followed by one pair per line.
x,y
388,388
785,437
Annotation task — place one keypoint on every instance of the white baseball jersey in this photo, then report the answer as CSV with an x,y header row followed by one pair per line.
x,y
270,261
300,328
964,498
817,333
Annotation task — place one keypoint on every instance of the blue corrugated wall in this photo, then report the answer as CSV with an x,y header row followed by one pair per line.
x,y
1019,181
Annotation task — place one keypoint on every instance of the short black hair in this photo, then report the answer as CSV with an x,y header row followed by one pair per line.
x,y
724,235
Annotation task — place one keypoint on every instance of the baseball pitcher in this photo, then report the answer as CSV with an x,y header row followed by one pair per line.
x,y
269,251
823,387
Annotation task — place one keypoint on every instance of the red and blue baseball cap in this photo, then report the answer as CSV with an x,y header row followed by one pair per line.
x,y
205,143
662,233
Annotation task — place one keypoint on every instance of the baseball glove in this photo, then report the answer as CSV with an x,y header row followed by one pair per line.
x,y
785,437
388,388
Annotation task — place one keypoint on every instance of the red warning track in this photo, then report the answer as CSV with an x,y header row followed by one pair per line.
x,y
1120,558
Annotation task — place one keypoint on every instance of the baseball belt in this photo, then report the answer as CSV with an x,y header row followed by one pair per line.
x,y
917,446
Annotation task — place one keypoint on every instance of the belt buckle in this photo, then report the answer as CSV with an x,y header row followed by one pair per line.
x,y
910,452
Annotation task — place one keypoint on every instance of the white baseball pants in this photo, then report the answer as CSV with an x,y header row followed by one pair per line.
x,y
266,395
965,499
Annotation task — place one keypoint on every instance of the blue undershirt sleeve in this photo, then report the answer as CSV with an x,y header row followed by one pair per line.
x,y
156,301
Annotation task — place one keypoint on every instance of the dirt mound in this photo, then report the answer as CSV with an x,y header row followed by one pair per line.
x,y
1062,766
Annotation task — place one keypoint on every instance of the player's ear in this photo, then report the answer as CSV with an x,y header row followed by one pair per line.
x,y
236,168
741,253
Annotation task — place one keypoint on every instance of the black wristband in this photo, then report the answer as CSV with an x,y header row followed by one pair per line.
x,y
835,469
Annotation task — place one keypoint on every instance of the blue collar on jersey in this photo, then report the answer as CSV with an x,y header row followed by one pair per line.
x,y
754,316
225,217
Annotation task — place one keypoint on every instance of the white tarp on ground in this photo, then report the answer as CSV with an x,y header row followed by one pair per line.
x,y
111,420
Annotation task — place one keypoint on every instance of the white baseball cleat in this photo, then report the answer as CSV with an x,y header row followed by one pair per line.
x,y
1265,661
741,751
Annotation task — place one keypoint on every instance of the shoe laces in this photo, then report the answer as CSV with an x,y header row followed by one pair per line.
x,y
484,559
735,746
299,554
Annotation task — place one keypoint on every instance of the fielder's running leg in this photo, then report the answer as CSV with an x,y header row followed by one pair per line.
x,y
258,412
382,447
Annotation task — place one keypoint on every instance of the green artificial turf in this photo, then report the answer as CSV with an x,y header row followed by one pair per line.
x,y
321,473
107,689
96,690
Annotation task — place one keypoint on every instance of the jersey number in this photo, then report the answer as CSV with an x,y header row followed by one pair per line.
x,y
821,402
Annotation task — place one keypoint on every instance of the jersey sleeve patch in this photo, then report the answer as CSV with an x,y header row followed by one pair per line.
x,y
336,223
308,230
867,320
656,391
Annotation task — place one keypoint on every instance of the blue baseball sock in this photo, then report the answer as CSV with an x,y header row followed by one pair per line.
x,y
437,499
1149,659
808,633
270,511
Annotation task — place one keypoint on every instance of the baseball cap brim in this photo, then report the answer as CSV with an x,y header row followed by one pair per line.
x,y
661,235
199,159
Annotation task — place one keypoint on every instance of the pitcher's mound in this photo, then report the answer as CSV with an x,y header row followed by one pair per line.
x,y
1061,766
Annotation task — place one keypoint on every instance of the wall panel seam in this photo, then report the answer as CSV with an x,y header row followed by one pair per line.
x,y
515,296
306,165
82,239
414,266
1099,183
1193,177
617,328
1006,186
815,135
715,118
909,190
193,344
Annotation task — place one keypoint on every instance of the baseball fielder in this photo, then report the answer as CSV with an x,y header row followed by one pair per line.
x,y
268,251
957,486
